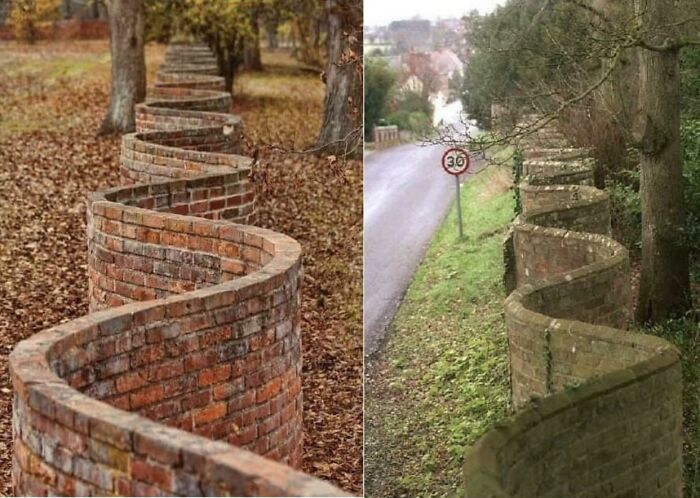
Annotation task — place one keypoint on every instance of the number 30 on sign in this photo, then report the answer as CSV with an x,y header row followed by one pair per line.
x,y
455,161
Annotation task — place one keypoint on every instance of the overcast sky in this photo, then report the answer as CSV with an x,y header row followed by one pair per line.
x,y
381,12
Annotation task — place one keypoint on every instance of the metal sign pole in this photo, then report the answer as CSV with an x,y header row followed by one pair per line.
x,y
459,209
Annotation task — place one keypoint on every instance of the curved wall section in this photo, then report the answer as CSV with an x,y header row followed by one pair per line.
x,y
600,408
186,377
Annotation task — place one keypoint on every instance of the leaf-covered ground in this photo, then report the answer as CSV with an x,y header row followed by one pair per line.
x,y
52,97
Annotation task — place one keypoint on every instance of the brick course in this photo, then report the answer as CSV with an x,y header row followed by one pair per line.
x,y
185,379
600,408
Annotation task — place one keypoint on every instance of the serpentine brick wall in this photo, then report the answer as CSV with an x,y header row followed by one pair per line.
x,y
185,379
600,408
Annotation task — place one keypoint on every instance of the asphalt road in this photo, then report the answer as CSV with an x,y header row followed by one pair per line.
x,y
407,195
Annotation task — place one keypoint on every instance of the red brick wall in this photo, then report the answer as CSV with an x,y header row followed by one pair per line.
x,y
186,377
72,29
600,408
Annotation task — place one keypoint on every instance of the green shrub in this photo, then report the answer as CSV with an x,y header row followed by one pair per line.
x,y
379,80
690,136
417,122
626,208
410,101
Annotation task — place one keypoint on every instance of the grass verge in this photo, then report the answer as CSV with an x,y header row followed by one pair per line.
x,y
442,378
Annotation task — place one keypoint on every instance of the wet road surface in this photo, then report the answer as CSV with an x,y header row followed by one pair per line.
x,y
407,195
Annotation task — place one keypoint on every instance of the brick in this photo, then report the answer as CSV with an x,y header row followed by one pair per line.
x,y
268,390
228,389
41,470
153,220
200,359
57,457
130,381
115,325
152,473
142,489
179,385
94,473
147,355
108,432
163,332
109,455
197,400
68,486
241,402
214,375
158,448
166,370
146,396
209,414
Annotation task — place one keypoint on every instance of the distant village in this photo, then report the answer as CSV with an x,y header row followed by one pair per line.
x,y
429,58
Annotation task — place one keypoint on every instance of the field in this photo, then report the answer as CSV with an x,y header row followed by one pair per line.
x,y
52,98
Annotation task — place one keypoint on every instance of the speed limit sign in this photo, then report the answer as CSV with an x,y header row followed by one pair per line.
x,y
455,161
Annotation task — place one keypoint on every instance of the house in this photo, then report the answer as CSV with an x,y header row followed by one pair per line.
x,y
430,72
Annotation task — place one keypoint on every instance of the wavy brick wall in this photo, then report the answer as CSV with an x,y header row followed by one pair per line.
x,y
186,377
600,408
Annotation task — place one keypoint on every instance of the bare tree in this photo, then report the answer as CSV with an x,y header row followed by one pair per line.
x,y
126,27
656,30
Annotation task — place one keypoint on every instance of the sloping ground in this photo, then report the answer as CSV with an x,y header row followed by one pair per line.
x,y
441,379
50,160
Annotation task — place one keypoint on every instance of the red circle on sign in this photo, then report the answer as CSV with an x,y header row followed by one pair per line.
x,y
455,161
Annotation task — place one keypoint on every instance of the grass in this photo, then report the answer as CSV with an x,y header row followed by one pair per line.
x,y
42,81
442,379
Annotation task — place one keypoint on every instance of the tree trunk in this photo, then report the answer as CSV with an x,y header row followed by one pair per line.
x,y
271,32
230,64
126,37
227,59
341,131
664,288
253,61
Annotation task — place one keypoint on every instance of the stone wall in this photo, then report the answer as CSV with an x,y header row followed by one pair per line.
x,y
386,136
185,379
600,408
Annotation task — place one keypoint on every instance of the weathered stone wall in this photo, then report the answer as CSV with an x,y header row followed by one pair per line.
x,y
386,136
186,377
600,408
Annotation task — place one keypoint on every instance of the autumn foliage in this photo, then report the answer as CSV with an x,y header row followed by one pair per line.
x,y
26,15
